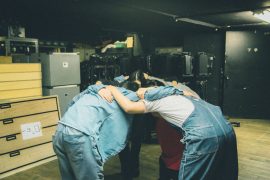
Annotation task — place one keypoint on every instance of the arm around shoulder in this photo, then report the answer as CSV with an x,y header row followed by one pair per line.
x,y
128,106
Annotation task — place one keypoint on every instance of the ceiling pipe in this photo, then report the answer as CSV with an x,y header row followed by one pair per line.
x,y
176,18
189,19
201,23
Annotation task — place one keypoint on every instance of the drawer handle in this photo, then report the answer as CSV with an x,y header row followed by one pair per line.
x,y
11,137
14,153
8,121
5,106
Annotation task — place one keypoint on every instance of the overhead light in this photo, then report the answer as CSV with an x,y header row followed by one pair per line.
x,y
263,15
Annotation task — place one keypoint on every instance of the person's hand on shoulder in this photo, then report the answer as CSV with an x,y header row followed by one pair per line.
x,y
174,83
110,87
126,77
106,94
145,75
98,83
188,93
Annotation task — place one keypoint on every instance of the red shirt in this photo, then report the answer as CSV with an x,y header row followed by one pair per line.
x,y
171,147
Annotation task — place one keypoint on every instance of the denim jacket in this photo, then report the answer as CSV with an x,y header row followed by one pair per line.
x,y
106,123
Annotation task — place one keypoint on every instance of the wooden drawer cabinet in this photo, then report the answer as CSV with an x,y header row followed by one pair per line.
x,y
26,129
13,125
20,158
19,93
15,141
18,80
19,76
15,85
20,67
27,107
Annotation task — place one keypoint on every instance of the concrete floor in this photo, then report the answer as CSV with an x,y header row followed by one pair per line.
x,y
253,148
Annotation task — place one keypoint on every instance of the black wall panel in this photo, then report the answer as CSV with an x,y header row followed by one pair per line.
x,y
247,90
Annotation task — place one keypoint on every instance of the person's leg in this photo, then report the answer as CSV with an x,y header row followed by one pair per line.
x,y
230,169
196,167
63,162
227,166
136,141
173,175
206,139
83,156
201,154
124,157
165,173
148,124
162,169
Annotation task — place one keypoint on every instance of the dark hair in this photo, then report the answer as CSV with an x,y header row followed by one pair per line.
x,y
133,86
109,82
150,83
138,76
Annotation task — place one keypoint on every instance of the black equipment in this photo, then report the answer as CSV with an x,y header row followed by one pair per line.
x,y
204,64
186,65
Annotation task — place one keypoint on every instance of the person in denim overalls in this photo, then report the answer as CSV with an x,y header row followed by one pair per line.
x,y
210,142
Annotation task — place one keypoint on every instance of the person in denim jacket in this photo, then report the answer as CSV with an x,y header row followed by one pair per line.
x,y
210,142
129,156
92,130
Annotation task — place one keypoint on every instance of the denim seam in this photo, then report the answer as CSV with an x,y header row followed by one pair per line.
x,y
216,120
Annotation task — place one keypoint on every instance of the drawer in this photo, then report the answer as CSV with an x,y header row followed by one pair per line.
x,y
19,93
5,59
27,107
19,76
14,142
25,157
20,67
12,85
13,125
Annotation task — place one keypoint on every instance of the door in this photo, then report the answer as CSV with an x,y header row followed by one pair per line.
x,y
247,75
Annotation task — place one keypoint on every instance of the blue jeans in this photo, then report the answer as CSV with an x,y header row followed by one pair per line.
x,y
77,154
211,151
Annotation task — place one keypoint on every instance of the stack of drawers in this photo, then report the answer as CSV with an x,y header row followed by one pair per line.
x,y
26,129
5,59
20,80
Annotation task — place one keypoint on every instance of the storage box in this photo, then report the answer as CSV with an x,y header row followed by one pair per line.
x,y
65,94
60,69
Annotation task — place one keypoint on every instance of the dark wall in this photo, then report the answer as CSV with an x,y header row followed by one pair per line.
x,y
247,90
212,43
151,41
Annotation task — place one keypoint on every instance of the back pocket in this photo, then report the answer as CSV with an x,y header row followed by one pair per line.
x,y
73,145
202,140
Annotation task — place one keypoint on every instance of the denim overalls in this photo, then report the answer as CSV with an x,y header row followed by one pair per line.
x,y
211,151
